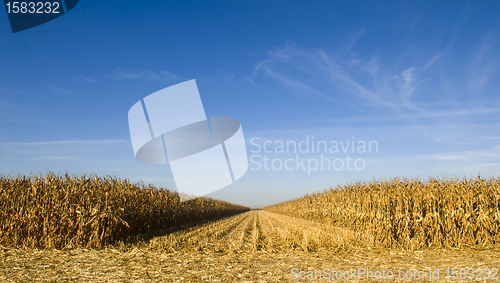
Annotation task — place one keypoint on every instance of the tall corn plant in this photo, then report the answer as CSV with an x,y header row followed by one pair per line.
x,y
409,213
67,211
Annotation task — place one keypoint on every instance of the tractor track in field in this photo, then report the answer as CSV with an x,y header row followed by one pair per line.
x,y
255,230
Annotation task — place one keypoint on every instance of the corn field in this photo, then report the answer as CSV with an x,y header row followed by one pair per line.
x,y
56,211
409,213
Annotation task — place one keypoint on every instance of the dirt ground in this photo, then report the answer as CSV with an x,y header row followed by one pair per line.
x,y
255,246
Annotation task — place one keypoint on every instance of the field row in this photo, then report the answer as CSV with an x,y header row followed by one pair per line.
x,y
257,230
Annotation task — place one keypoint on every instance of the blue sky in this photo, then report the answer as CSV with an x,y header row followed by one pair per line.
x,y
419,77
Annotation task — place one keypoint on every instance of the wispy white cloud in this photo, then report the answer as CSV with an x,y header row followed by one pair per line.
x,y
371,66
433,60
408,87
63,142
353,38
318,73
484,66
477,155
59,89
87,79
369,83
142,74
338,74
302,69
265,66
10,91
58,157
489,137
453,162
122,74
